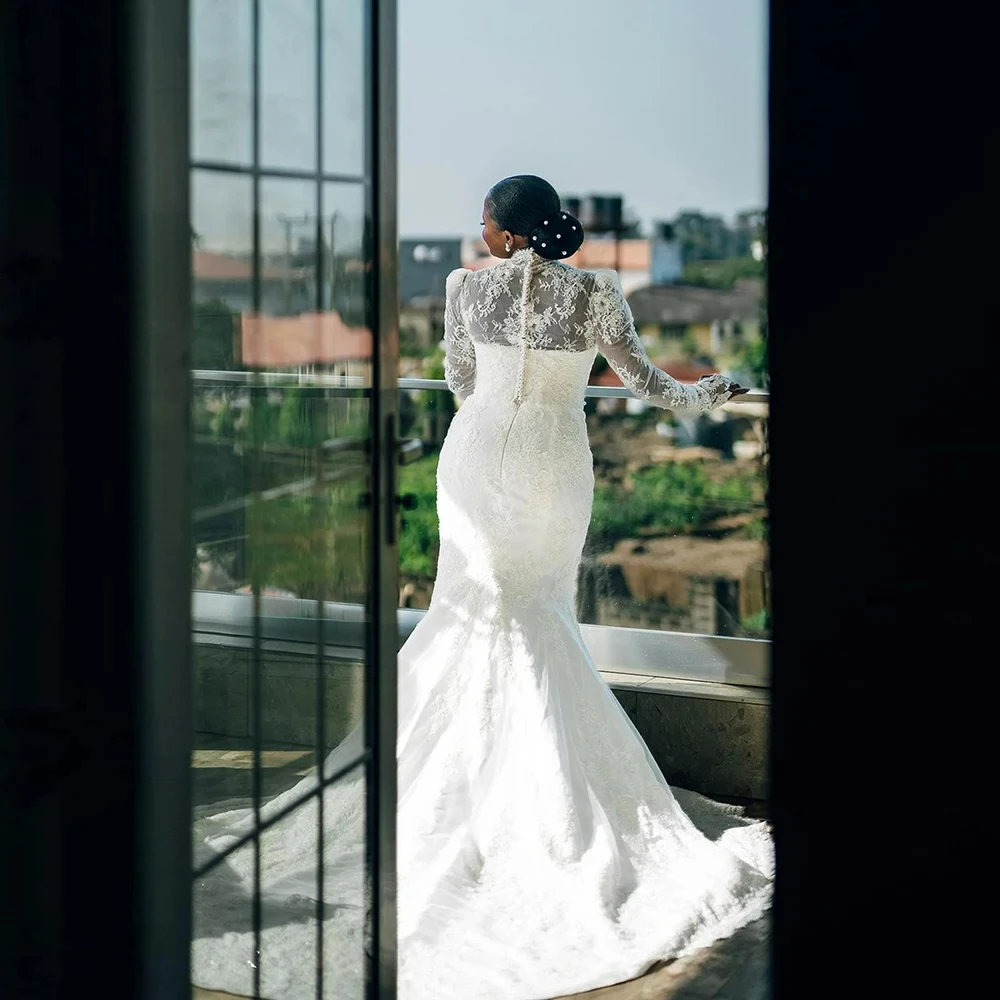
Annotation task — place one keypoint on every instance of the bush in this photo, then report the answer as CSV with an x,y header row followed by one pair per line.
x,y
419,540
721,273
669,498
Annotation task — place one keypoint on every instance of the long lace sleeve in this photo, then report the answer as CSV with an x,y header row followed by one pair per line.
x,y
459,350
618,341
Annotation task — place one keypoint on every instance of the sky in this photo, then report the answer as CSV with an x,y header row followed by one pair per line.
x,y
662,101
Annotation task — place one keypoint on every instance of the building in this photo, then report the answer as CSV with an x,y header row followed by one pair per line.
x,y
711,586
288,331
284,288
629,257
696,321
424,266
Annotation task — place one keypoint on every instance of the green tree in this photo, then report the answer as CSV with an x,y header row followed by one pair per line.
x,y
722,274
419,540
300,423
212,336
436,408
314,545
670,498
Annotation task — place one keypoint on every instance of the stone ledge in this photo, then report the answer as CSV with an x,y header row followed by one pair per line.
x,y
683,688
706,736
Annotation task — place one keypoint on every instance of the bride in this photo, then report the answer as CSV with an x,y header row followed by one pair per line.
x,y
540,850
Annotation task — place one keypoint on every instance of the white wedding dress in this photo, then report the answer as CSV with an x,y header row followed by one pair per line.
x,y
540,850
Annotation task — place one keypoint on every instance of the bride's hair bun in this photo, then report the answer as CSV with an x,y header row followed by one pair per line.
x,y
558,235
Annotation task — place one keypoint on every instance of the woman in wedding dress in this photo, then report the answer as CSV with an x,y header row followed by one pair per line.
x,y
540,850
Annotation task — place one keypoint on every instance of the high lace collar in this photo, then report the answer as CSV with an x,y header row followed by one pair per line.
x,y
528,256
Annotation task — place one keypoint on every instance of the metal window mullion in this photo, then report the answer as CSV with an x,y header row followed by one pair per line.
x,y
380,689
320,414
257,658
283,173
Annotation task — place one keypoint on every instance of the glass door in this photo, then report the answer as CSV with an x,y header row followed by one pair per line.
x,y
294,451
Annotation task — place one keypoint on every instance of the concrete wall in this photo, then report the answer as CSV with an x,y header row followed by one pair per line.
x,y
711,738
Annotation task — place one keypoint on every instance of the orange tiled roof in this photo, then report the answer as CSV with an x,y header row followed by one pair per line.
x,y
310,338
633,255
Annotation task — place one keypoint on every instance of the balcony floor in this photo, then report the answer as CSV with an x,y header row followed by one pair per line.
x,y
734,969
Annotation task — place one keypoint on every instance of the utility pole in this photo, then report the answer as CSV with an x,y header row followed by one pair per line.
x,y
288,222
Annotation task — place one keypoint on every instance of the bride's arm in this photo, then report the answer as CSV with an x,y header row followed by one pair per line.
x,y
618,341
459,350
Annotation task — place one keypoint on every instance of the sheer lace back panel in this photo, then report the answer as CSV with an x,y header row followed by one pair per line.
x,y
531,305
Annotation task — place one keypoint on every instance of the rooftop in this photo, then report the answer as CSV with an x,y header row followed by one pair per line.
x,y
687,304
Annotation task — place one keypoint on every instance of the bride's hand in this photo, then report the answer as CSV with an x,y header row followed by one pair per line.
x,y
733,388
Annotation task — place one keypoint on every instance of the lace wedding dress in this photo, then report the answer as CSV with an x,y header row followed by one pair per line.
x,y
540,850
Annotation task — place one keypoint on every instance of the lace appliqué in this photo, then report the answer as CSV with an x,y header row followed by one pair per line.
x,y
460,352
533,304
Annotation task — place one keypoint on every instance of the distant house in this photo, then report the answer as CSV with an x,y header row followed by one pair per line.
x,y
711,319
288,332
424,266
284,289
631,258
714,584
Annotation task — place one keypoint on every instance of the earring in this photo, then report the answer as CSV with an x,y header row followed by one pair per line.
x,y
506,247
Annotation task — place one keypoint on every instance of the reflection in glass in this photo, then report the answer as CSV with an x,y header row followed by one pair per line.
x,y
345,927
289,870
294,857
222,267
282,359
220,416
345,273
288,84
343,86
221,81
222,951
288,250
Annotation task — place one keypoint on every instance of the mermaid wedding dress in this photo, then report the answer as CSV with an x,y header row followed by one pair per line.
x,y
540,850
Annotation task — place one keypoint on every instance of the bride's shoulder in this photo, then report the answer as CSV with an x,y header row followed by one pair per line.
x,y
604,276
604,281
456,280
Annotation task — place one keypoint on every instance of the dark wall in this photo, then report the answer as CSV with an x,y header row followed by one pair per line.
x,y
877,127
94,320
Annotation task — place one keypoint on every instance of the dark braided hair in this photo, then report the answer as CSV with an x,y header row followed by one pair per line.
x,y
529,206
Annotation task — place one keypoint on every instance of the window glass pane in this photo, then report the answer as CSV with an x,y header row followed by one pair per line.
x,y
222,264
343,86
288,84
222,81
289,887
222,956
281,411
346,266
346,925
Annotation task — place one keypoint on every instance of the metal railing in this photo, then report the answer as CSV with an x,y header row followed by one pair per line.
x,y
356,385
628,651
